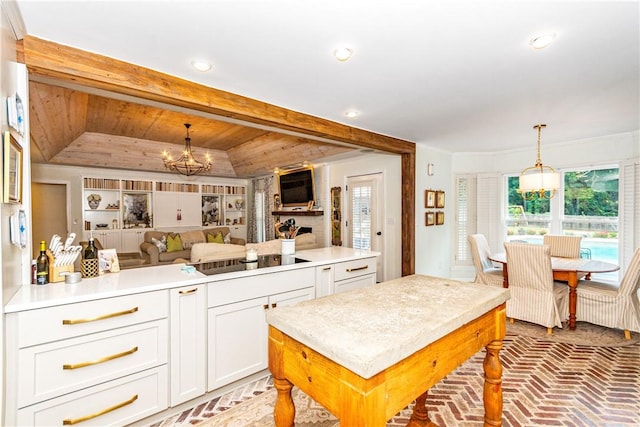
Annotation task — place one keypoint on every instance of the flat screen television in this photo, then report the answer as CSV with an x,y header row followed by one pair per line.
x,y
296,187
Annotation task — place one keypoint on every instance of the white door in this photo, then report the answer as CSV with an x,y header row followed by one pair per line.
x,y
365,215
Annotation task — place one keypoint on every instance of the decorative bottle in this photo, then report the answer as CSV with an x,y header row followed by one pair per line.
x,y
42,265
90,252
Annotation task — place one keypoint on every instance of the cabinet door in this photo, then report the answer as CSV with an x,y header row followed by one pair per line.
x,y
355,283
177,209
237,339
109,239
188,338
131,240
324,281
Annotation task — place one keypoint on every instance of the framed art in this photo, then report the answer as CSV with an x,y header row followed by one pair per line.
x,y
430,219
108,261
430,199
440,199
12,170
439,218
136,209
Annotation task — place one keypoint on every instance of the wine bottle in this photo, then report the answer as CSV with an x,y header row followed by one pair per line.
x,y
91,252
42,265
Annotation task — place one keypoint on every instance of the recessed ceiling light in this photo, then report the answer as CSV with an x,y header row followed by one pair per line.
x,y
542,41
352,113
201,65
342,53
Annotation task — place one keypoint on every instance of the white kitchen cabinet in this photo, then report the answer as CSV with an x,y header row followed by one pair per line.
x,y
109,239
237,328
131,239
92,356
324,281
176,209
349,275
188,343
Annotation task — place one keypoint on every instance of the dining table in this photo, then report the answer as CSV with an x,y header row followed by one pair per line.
x,y
566,270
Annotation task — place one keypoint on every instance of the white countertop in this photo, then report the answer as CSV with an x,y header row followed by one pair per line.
x,y
146,279
367,330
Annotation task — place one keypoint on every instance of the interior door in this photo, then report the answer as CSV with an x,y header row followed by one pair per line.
x,y
49,213
365,215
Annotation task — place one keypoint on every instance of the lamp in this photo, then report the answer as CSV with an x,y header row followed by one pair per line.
x,y
186,164
539,180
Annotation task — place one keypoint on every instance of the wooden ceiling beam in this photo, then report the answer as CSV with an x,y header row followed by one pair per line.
x,y
65,63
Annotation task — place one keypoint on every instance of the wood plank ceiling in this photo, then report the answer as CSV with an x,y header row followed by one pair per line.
x,y
73,127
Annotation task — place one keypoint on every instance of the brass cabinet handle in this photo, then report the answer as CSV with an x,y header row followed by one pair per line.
x,y
266,306
68,422
350,270
104,316
326,269
274,305
190,291
101,360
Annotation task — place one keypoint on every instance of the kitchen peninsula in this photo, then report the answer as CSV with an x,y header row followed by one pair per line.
x,y
125,346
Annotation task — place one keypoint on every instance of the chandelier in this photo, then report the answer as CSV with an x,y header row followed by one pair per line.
x,y
186,164
539,180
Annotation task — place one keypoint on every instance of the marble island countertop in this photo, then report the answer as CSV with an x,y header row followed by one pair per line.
x,y
361,329
146,279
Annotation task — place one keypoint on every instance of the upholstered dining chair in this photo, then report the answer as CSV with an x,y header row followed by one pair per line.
x,y
612,306
486,272
535,297
563,246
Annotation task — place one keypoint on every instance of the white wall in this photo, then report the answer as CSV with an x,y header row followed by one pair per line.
x,y
434,244
390,167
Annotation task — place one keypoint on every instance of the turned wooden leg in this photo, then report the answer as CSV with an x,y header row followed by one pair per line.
x,y
573,299
284,412
492,395
420,417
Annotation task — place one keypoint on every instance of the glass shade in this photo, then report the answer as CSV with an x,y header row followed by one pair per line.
x,y
536,181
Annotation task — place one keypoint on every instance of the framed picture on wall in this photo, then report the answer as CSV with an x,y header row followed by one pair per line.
x,y
439,218
430,199
430,218
12,169
440,199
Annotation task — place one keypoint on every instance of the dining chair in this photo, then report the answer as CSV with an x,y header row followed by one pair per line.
x,y
563,246
535,296
612,305
486,272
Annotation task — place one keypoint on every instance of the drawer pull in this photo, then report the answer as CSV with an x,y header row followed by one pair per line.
x,y
190,291
101,360
351,270
68,422
104,316
326,269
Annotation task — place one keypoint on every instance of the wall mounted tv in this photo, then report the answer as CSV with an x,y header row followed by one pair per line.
x,y
296,187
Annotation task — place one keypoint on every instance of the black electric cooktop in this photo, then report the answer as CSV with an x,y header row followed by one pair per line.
x,y
240,264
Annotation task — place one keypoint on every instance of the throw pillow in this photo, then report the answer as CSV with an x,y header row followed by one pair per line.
x,y
161,244
174,243
227,238
215,239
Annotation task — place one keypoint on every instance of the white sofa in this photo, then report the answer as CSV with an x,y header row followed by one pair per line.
x,y
203,252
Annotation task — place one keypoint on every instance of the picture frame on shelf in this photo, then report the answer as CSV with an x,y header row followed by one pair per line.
x,y
429,199
108,261
430,218
12,169
136,209
440,199
439,218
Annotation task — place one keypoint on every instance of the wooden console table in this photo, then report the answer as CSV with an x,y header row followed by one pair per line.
x,y
366,354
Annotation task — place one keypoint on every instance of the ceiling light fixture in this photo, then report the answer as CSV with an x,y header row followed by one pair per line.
x,y
201,65
351,114
540,42
342,54
539,180
186,164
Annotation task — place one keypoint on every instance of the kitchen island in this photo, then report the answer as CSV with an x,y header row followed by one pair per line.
x,y
126,346
387,345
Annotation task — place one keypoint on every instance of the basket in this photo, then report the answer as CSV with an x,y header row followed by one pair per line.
x,y
89,267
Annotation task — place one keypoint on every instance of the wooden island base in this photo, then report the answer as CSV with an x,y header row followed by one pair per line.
x,y
370,402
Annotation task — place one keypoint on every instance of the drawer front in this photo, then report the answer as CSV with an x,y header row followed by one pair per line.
x,y
355,283
115,403
349,269
72,320
244,288
53,369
